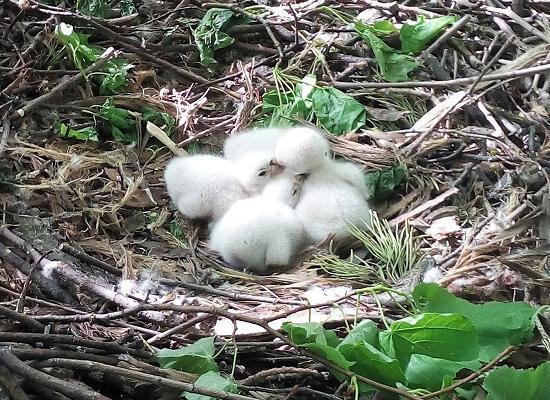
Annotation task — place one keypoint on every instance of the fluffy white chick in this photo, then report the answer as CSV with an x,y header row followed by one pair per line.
x,y
254,170
350,173
329,203
254,140
262,231
301,149
203,186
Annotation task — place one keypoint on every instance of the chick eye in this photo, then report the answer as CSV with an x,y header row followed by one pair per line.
x,y
262,172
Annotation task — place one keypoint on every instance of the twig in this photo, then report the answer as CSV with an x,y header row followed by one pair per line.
x,y
519,73
450,32
423,207
90,260
5,134
17,366
63,86
139,376
26,321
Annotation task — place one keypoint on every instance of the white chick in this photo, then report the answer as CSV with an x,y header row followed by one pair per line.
x,y
236,146
262,231
329,203
205,186
350,173
301,149
254,170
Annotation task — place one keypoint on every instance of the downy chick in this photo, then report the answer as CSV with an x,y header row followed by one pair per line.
x,y
328,203
236,146
205,186
262,231
301,149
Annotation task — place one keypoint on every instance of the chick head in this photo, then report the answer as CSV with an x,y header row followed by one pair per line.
x,y
302,150
254,171
286,188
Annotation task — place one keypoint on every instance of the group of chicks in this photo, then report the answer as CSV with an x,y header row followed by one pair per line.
x,y
274,192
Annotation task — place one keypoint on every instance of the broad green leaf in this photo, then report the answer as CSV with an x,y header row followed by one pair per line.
x,y
212,380
85,134
273,99
415,38
498,324
121,122
197,358
449,336
382,184
337,112
507,383
310,332
372,363
209,35
366,331
384,28
394,67
428,373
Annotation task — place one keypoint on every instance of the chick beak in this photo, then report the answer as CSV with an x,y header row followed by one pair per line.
x,y
301,178
275,168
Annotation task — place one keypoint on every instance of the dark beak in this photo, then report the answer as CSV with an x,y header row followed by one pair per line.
x,y
275,168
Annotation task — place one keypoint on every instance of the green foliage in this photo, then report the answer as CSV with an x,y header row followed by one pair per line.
x,y
336,111
127,7
120,121
160,119
415,38
212,380
394,250
96,8
197,358
507,383
425,351
383,184
209,35
85,134
331,108
112,78
498,324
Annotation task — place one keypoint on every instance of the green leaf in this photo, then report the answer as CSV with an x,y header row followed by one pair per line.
x,y
366,331
372,363
121,122
449,336
214,381
310,332
498,324
394,67
161,119
197,358
382,184
95,8
209,35
428,373
337,112
85,134
507,383
415,38
127,7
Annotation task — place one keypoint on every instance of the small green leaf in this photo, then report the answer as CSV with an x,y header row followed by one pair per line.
x,y
509,323
394,67
507,383
310,332
449,336
161,119
429,373
84,134
209,35
415,38
95,8
366,331
382,184
127,7
214,381
197,358
337,112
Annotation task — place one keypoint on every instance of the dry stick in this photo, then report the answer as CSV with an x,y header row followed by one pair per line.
x,y
5,134
139,376
32,338
178,329
507,12
29,322
90,260
48,286
520,73
396,6
472,376
57,90
423,207
450,32
10,384
79,392
255,17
